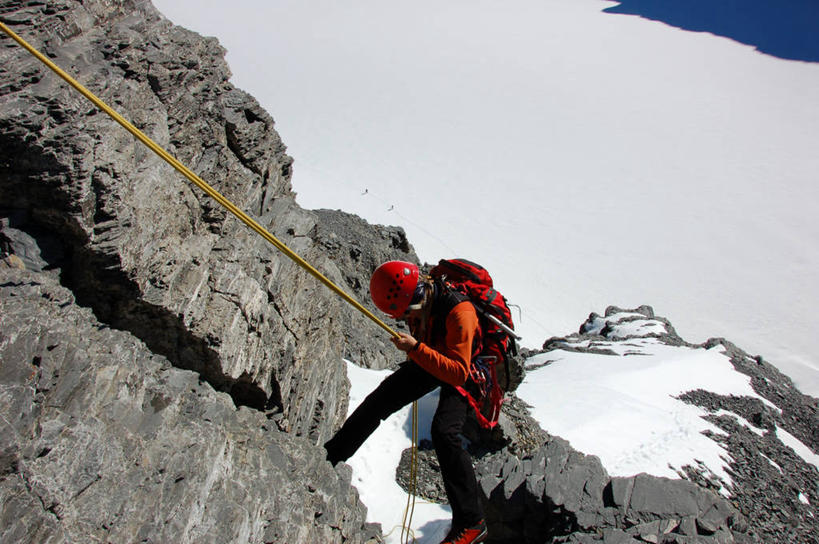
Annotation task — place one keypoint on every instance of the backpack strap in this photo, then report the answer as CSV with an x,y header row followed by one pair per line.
x,y
445,298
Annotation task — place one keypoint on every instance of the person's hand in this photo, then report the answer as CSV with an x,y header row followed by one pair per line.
x,y
405,342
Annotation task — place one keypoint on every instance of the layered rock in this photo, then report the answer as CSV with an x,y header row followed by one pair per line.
x,y
104,440
175,387
150,253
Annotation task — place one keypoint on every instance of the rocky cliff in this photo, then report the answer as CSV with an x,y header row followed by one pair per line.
x,y
169,376
211,321
146,251
105,441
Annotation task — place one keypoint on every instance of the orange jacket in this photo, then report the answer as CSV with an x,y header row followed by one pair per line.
x,y
449,359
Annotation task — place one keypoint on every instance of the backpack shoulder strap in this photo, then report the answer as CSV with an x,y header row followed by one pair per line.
x,y
446,298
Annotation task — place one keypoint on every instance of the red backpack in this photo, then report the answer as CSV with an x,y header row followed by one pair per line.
x,y
497,342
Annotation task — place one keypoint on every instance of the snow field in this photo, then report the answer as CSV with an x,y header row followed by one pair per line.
x,y
624,410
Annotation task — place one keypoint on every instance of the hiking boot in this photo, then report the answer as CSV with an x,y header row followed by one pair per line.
x,y
470,535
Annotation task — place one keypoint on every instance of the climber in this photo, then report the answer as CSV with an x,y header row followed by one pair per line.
x,y
444,332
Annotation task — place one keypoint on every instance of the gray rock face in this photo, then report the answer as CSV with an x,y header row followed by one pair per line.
x,y
561,494
147,251
357,248
105,441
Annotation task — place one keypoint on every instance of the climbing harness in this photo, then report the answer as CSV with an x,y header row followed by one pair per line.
x,y
247,220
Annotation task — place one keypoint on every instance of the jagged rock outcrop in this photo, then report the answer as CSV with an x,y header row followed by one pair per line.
x,y
150,253
561,494
767,477
537,488
356,248
104,440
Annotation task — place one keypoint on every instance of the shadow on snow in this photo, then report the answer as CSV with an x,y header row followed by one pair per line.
x,y
426,410
787,29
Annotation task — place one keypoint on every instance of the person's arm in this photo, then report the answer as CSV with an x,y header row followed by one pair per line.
x,y
451,364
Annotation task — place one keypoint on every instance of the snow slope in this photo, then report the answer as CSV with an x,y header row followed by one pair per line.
x,y
585,157
624,409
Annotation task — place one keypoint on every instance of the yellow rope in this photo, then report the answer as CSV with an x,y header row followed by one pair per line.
x,y
409,510
196,180
247,220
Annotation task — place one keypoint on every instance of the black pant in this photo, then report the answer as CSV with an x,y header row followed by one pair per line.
x,y
399,389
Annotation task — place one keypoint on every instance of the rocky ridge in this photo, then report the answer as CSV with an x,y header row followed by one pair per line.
x,y
553,493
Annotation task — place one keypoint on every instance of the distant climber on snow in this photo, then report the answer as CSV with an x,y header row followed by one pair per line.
x,y
445,338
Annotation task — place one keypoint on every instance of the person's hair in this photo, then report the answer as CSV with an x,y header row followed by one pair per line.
x,y
422,293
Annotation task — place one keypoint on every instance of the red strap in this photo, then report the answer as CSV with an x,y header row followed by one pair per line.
x,y
482,421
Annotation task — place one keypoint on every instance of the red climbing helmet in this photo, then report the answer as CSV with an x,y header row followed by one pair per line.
x,y
393,286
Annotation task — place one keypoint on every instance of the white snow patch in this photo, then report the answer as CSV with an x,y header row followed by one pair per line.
x,y
638,327
624,410
772,462
635,346
797,446
744,422
599,322
770,404
803,499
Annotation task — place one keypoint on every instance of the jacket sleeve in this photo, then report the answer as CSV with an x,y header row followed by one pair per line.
x,y
451,363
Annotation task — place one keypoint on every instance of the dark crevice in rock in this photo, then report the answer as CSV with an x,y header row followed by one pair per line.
x,y
51,508
516,522
608,496
276,307
99,284
115,303
9,461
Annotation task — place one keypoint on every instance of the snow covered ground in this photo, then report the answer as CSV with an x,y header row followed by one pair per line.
x,y
585,157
